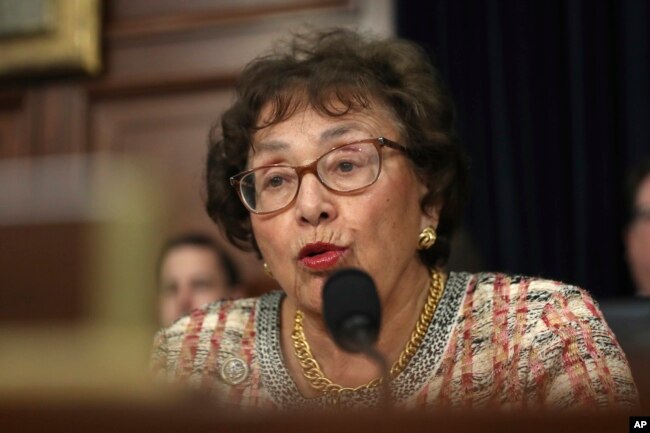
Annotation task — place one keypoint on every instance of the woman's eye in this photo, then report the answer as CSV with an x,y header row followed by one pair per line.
x,y
275,181
346,166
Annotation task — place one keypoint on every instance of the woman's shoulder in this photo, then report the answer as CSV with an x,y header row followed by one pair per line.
x,y
210,314
222,327
553,332
535,288
232,317
490,290
500,278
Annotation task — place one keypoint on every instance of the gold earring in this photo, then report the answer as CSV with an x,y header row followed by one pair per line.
x,y
427,238
267,270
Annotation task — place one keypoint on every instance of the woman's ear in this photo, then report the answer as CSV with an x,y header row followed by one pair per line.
x,y
430,216
431,211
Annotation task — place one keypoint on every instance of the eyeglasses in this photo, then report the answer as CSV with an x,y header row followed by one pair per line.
x,y
346,168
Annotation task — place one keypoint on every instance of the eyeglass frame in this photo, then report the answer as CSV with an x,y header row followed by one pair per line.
x,y
312,167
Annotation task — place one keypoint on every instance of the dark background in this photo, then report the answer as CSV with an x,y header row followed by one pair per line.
x,y
553,105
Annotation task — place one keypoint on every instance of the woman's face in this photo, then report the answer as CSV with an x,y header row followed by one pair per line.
x,y
375,229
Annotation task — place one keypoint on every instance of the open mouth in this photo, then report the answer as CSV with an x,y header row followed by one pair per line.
x,y
320,255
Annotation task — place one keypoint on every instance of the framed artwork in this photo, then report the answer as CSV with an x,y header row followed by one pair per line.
x,y
41,36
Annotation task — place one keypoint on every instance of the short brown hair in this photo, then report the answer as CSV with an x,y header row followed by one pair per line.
x,y
328,70
200,240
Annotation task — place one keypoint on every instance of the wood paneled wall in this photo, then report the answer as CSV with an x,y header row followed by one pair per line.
x,y
169,68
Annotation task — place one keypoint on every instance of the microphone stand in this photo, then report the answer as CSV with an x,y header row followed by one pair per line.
x,y
352,312
355,335
385,392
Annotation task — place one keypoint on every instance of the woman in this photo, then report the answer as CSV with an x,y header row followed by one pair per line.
x,y
342,153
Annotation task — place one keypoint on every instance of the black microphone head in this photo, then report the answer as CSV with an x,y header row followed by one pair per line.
x,y
351,309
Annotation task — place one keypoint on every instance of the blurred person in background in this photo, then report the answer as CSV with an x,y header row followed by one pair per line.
x,y
192,271
637,232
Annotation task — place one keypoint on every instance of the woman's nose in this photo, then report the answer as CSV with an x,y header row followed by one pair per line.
x,y
315,203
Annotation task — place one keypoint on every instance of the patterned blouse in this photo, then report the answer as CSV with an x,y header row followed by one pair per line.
x,y
495,340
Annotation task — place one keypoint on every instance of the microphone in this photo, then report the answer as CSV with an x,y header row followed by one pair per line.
x,y
352,310
352,313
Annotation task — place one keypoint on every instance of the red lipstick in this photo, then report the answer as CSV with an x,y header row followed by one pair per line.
x,y
320,255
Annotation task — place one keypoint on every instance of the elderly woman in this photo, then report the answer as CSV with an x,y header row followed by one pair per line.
x,y
340,152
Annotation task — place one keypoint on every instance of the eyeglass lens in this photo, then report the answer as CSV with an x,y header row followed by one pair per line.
x,y
346,168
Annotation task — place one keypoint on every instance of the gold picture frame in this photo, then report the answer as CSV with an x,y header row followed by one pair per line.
x,y
54,35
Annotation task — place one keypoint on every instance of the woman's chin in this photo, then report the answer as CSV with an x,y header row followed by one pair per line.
x,y
311,300
307,293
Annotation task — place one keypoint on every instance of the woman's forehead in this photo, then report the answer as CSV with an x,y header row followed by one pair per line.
x,y
322,128
320,134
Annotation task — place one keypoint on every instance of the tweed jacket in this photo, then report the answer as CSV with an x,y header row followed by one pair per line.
x,y
495,341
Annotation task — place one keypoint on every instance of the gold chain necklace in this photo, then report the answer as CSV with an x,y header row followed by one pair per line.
x,y
312,371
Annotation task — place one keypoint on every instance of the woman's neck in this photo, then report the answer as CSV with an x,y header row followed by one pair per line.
x,y
401,309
